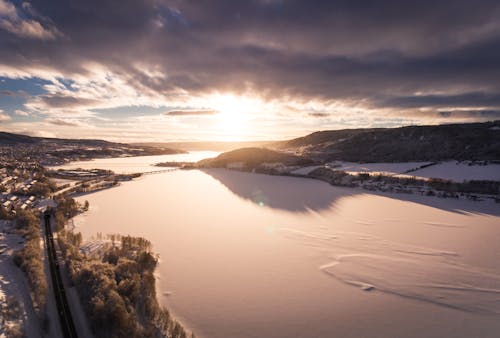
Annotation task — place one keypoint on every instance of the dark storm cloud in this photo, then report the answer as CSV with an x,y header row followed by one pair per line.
x,y
495,114
380,52
462,100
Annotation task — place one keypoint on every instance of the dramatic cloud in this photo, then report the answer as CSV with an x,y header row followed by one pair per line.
x,y
4,117
316,64
60,122
493,114
191,112
14,21
318,114
62,101
21,113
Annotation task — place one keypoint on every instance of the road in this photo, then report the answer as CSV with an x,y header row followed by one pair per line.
x,y
65,318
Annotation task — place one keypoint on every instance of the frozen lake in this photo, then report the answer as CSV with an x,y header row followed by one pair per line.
x,y
135,164
247,255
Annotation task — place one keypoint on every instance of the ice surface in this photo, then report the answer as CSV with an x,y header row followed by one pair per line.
x,y
311,260
417,272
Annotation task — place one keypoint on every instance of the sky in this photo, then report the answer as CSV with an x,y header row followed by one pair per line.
x,y
229,70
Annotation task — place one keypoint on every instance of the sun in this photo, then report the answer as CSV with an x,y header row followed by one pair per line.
x,y
232,122
234,115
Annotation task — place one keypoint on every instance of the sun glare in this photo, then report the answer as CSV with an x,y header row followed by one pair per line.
x,y
235,113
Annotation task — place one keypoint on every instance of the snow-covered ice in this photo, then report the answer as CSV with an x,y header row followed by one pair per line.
x,y
284,256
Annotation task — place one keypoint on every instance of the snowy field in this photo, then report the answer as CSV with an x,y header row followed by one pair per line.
x,y
383,168
457,171
451,170
16,310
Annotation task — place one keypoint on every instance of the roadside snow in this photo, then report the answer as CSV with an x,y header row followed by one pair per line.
x,y
16,309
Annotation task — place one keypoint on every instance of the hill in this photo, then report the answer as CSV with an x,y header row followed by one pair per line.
x,y
19,139
10,138
54,151
470,141
249,158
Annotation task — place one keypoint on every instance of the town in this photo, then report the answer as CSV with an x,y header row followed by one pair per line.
x,y
25,182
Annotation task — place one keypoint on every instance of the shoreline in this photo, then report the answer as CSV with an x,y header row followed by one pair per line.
x,y
156,273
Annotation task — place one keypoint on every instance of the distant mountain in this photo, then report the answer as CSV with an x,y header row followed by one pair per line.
x,y
10,138
87,147
470,141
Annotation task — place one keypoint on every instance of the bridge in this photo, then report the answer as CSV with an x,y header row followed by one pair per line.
x,y
152,172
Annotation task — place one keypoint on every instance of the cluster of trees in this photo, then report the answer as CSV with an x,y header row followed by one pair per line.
x,y
30,258
4,213
117,288
252,158
473,186
42,188
334,177
67,208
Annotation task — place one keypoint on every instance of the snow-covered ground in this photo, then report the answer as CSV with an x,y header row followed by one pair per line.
x,y
62,181
450,170
383,168
460,171
16,310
